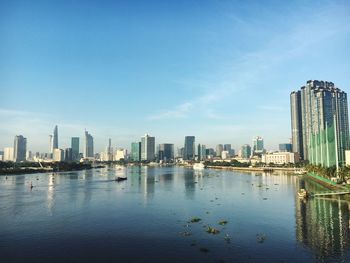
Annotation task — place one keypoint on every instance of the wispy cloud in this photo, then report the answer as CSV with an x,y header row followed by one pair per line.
x,y
180,111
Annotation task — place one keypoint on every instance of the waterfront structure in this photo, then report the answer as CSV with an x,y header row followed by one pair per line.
x,y
19,148
280,158
285,147
258,145
219,149
58,155
166,152
324,123
147,148
75,148
8,154
347,157
136,151
246,151
189,149
89,146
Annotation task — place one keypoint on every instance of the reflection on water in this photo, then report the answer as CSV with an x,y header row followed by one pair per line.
x,y
323,223
90,213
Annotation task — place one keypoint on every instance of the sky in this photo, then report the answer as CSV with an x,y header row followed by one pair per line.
x,y
219,70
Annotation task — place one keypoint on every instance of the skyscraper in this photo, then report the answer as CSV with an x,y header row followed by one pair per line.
x,y
297,130
89,146
19,148
51,144
219,149
55,138
147,148
136,151
258,145
246,151
166,152
324,123
75,148
189,149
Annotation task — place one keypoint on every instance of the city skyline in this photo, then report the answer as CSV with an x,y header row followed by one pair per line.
x,y
222,71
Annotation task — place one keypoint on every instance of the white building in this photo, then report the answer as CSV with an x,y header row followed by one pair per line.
x,y
8,154
58,155
280,158
347,157
225,155
120,154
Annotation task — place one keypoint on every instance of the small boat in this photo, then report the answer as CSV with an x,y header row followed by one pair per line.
x,y
302,193
119,178
198,166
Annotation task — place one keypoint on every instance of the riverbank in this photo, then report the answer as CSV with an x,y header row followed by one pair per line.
x,y
253,169
324,181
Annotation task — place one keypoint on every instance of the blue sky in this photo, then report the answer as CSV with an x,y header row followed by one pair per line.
x,y
219,70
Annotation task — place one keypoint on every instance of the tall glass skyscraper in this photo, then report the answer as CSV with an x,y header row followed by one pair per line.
x,y
189,149
258,145
136,151
75,148
246,151
147,148
89,145
19,148
55,138
166,152
320,112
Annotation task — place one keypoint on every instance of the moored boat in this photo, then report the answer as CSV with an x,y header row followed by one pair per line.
x,y
198,166
302,193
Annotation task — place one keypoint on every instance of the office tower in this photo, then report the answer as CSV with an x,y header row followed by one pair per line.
x,y
225,155
285,147
8,154
166,152
89,146
1,155
296,121
58,155
147,148
324,123
120,154
258,145
189,148
29,156
246,151
19,148
219,149
227,147
75,148
136,151
55,138
68,155
50,143
109,151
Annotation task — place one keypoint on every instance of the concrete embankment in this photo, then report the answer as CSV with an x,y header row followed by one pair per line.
x,y
253,169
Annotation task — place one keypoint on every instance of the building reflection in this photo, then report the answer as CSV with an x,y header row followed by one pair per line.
x,y
322,224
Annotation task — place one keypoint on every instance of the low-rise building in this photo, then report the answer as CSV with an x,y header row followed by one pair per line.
x,y
58,155
280,158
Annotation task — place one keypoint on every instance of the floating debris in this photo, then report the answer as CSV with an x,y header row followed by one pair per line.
x,y
211,200
223,222
260,238
185,233
264,198
207,212
242,193
216,198
193,244
204,250
227,238
212,230
195,219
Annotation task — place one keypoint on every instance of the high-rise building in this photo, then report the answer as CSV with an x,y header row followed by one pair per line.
x,y
285,147
166,152
89,146
50,143
58,155
1,155
147,148
19,148
136,151
202,152
324,123
55,138
8,154
296,120
75,148
68,155
108,155
219,149
246,151
189,148
258,145
227,147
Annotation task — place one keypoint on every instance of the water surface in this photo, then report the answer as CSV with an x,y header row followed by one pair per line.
x,y
86,216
